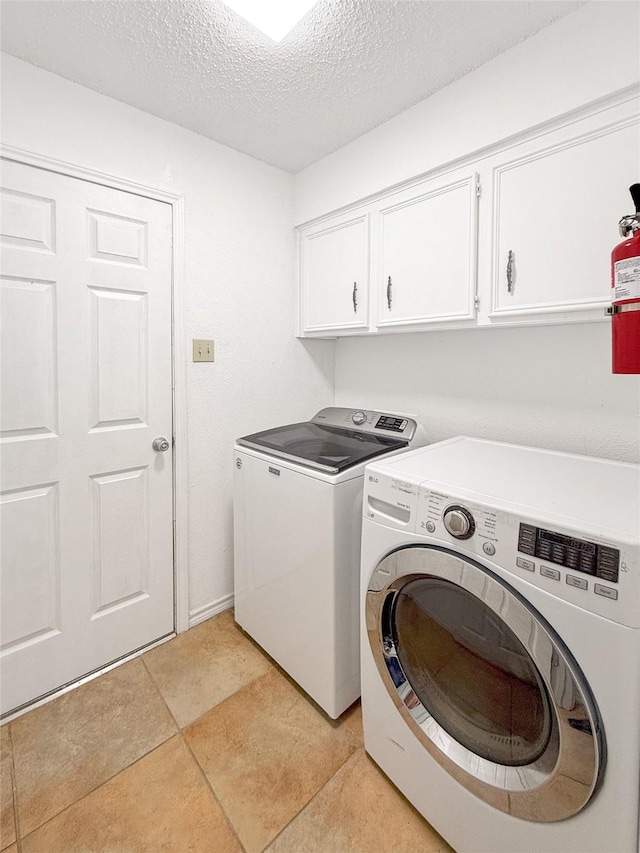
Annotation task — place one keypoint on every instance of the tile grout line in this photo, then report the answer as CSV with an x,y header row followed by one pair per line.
x,y
97,787
192,754
218,704
213,793
14,791
104,781
308,803
322,787
273,667
160,693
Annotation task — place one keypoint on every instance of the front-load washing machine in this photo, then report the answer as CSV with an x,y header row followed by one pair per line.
x,y
500,644
297,524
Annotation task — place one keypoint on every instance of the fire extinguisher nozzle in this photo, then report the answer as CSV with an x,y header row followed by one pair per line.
x,y
634,189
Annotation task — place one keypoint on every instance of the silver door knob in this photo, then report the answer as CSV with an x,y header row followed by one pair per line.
x,y
161,443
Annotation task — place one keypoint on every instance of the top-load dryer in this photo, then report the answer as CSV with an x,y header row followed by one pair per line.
x,y
501,644
297,523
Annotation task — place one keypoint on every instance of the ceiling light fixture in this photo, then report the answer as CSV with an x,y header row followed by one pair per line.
x,y
275,18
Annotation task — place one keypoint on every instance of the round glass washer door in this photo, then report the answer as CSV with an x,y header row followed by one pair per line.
x,y
485,684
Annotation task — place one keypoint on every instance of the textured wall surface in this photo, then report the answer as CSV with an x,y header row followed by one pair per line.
x,y
348,66
239,283
550,387
580,58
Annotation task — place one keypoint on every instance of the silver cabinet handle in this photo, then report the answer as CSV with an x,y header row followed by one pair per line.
x,y
389,297
161,444
354,296
511,269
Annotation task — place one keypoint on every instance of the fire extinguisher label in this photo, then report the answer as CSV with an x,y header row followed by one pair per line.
x,y
627,279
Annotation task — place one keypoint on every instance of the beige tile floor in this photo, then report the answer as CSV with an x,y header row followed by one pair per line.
x,y
201,744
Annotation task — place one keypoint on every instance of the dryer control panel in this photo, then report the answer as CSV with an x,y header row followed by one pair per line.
x,y
588,570
579,555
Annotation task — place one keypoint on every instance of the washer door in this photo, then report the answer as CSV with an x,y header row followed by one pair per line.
x,y
484,683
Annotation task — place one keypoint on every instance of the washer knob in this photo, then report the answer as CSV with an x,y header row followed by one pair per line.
x,y
459,522
359,417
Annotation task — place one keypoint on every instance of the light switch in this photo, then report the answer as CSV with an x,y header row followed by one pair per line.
x,y
202,350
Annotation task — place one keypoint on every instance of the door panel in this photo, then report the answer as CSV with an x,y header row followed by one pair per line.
x,y
118,358
87,552
30,597
29,400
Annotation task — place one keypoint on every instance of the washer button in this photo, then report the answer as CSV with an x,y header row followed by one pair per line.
x,y
529,565
580,583
606,591
430,526
489,548
554,574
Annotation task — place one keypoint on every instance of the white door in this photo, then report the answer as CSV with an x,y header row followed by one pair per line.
x,y
427,253
86,510
335,274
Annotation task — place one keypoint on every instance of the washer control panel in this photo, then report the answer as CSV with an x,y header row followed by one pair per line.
x,y
391,423
369,422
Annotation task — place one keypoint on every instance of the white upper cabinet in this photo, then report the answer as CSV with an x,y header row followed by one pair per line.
x,y
556,203
334,275
426,253
521,235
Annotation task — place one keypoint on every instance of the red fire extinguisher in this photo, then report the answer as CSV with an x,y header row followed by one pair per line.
x,y
625,283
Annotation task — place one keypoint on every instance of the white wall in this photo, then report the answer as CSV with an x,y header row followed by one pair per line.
x,y
580,58
239,283
549,387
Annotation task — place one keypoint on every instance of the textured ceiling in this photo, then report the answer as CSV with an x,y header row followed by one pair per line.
x,y
347,67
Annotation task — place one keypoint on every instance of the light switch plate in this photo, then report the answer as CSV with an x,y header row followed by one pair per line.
x,y
202,350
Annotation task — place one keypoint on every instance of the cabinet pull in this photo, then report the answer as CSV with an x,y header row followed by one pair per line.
x,y
511,262
389,293
354,296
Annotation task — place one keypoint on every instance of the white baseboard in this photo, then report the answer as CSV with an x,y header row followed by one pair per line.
x,y
206,611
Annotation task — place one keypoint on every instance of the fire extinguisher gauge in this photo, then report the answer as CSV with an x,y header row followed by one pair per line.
x,y
629,224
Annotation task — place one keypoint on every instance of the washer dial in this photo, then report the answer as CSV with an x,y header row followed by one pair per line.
x,y
359,418
459,522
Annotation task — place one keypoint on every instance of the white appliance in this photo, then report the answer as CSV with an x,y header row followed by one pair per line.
x,y
297,525
501,644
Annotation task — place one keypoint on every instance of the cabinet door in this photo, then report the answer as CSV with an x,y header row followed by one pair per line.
x,y
334,275
426,269
556,208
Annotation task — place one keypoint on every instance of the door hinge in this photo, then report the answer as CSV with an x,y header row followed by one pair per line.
x,y
478,189
476,301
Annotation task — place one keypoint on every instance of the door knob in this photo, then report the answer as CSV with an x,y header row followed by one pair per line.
x,y
161,443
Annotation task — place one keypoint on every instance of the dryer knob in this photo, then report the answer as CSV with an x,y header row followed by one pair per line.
x,y
359,417
459,522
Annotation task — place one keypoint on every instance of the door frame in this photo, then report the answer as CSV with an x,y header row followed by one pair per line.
x,y
178,353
